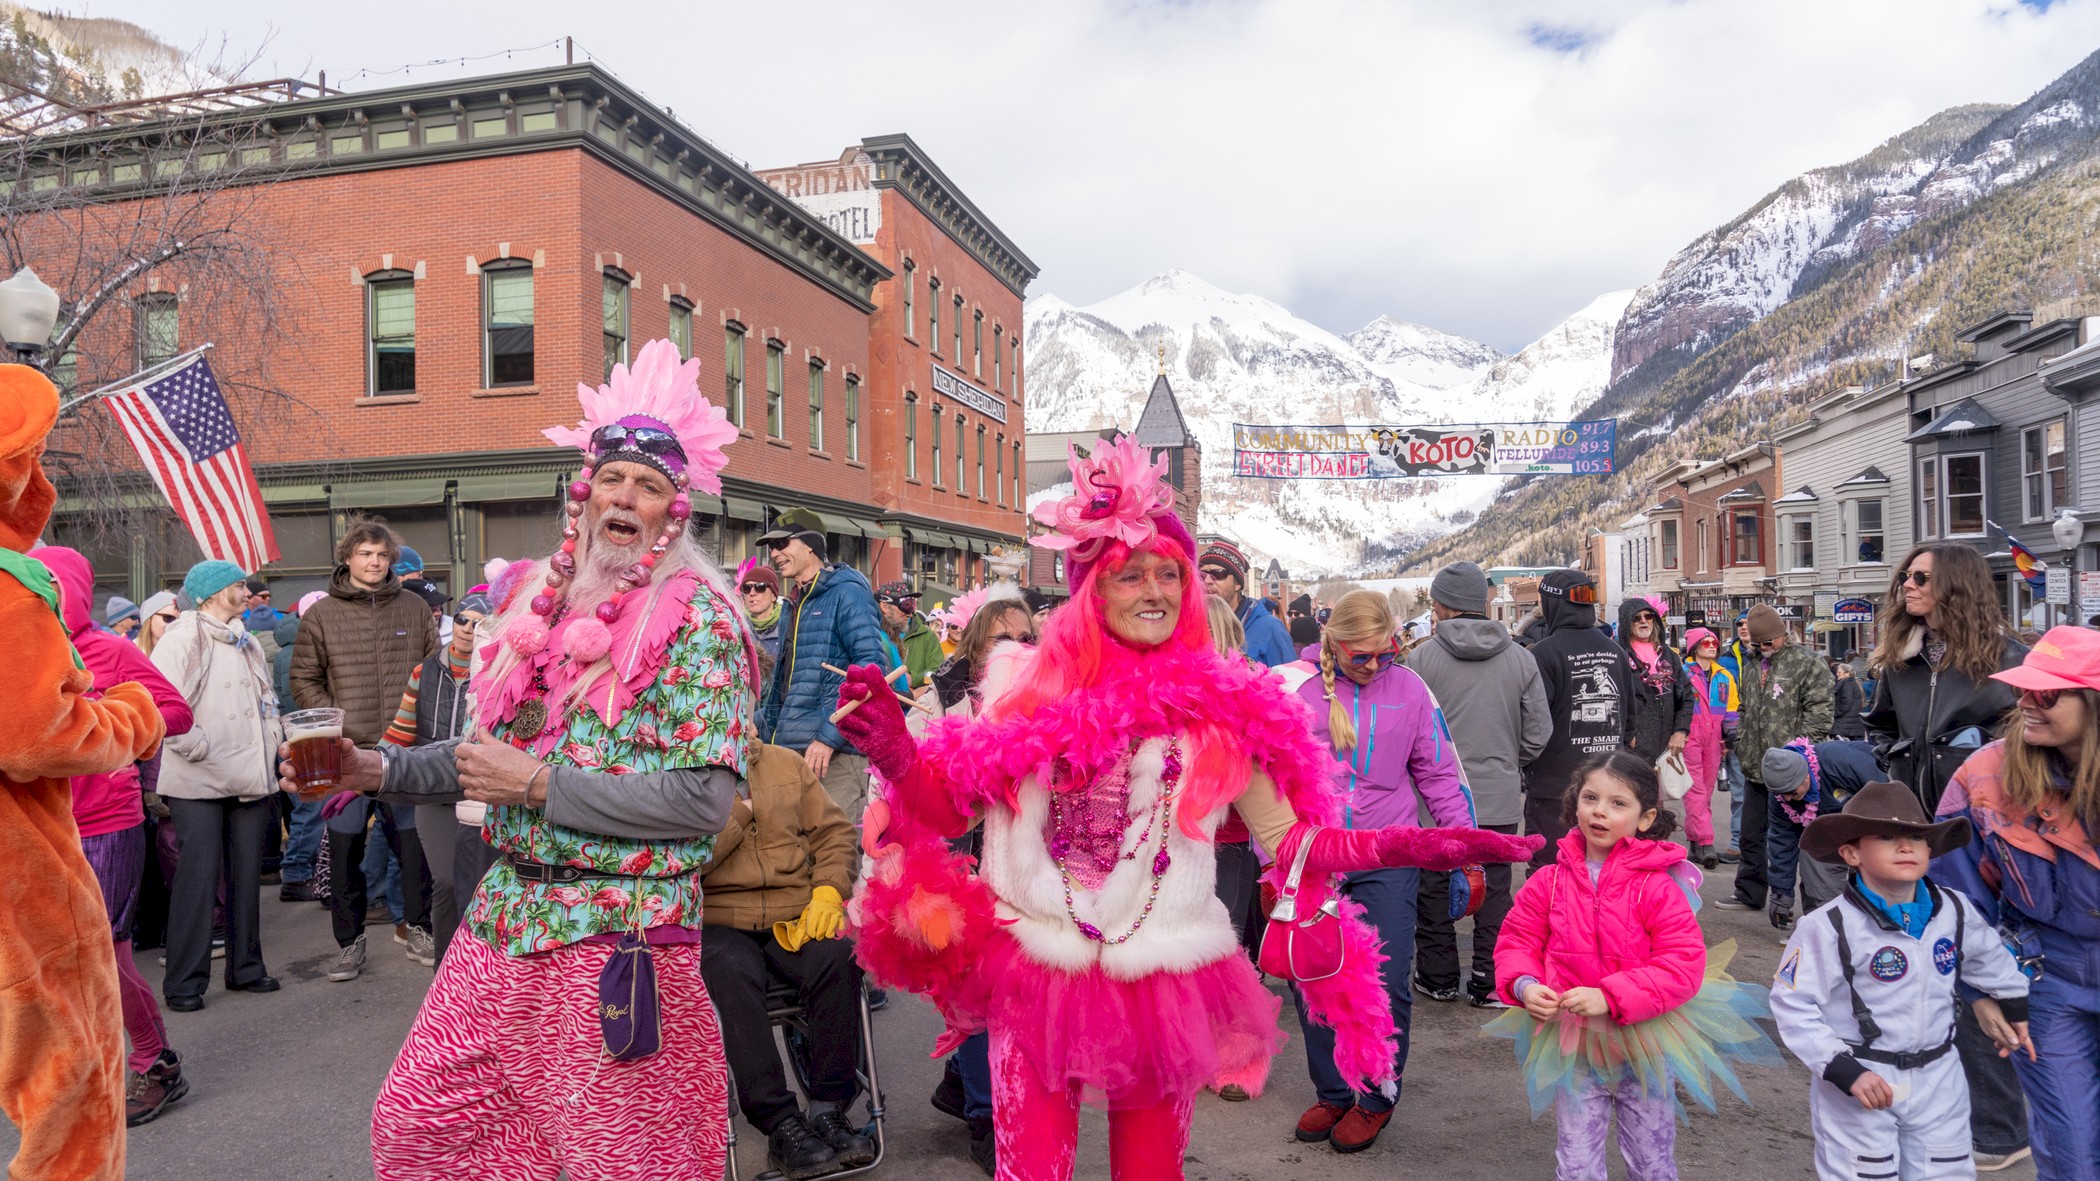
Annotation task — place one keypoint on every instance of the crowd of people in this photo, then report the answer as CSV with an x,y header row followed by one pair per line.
x,y
622,800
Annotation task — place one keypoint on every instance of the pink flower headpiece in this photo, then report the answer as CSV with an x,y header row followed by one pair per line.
x,y
663,390
1118,494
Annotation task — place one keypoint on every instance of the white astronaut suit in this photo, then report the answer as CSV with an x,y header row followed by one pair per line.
x,y
1904,987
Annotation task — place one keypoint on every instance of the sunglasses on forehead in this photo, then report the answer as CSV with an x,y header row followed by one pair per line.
x,y
647,439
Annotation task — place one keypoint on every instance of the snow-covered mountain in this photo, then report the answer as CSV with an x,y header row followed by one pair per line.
x,y
1240,358
86,61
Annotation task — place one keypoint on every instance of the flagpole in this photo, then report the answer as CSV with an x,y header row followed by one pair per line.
x,y
139,378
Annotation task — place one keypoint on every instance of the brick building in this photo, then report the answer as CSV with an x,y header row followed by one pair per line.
x,y
461,255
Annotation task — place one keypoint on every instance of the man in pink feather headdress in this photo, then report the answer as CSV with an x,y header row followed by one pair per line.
x,y
1091,943
568,1031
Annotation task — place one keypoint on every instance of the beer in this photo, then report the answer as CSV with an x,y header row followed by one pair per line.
x,y
317,758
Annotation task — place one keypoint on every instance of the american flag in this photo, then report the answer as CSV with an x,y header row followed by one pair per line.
x,y
180,426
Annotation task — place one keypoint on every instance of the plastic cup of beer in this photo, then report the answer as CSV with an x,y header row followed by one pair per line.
x,y
317,757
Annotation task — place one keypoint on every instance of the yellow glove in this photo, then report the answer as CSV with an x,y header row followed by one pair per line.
x,y
788,934
825,915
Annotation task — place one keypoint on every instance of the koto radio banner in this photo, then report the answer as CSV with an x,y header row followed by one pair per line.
x,y
1587,448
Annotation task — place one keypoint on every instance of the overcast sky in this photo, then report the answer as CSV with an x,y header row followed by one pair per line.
x,y
1482,166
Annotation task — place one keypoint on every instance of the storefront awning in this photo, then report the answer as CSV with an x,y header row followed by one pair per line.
x,y
403,493
293,493
509,486
870,529
736,508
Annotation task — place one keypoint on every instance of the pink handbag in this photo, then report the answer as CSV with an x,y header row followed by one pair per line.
x,y
1307,948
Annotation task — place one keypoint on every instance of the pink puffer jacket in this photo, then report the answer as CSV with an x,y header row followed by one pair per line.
x,y
1631,933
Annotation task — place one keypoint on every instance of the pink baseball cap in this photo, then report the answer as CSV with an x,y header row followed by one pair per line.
x,y
309,599
2064,658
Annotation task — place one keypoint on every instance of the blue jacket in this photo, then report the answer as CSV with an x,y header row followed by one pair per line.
x,y
834,622
1731,658
1268,640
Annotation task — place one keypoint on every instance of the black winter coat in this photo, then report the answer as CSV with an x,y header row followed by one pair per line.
x,y
1657,712
1851,704
1921,713
1589,694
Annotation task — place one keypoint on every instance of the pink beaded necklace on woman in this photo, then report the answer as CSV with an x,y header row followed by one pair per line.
x,y
1087,834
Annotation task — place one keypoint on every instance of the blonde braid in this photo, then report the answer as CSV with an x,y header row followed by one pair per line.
x,y
1339,727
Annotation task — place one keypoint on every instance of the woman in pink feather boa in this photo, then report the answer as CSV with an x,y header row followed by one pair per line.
x,y
1091,943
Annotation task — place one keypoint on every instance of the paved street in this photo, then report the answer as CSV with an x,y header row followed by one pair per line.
x,y
282,1088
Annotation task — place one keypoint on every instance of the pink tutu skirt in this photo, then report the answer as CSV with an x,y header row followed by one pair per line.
x,y
1133,1042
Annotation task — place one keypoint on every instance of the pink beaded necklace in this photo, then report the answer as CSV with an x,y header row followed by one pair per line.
x,y
1061,845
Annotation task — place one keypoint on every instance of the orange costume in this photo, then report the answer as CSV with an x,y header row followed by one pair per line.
x,y
61,1030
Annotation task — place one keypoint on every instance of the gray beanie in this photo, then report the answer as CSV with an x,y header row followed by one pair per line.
x,y
1783,769
1462,587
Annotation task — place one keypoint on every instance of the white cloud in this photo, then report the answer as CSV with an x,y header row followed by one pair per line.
x,y
1485,167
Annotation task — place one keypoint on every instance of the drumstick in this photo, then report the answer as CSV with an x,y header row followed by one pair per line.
x,y
893,673
849,707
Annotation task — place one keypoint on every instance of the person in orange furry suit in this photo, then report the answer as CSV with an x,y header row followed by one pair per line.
x,y
61,1028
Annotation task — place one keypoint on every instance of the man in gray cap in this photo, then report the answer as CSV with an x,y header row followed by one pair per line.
x,y
122,615
1805,780
1495,703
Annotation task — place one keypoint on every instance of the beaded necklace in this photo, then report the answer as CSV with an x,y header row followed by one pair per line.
x,y
1162,804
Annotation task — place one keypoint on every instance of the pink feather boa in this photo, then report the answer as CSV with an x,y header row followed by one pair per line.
x,y
979,763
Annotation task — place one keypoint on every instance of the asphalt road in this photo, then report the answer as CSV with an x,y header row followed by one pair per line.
x,y
282,1087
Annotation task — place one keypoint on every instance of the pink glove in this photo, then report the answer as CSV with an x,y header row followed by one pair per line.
x,y
1342,850
338,804
876,729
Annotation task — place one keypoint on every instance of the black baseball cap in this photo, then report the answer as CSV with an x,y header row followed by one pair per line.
x,y
794,523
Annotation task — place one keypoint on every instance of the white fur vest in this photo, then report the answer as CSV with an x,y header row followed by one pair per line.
x,y
1188,927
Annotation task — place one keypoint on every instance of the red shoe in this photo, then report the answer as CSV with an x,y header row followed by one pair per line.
x,y
1319,1120
1359,1129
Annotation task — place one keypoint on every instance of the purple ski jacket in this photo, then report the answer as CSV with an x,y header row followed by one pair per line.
x,y
1404,760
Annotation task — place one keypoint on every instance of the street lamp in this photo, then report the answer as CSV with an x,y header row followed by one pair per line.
x,y
2069,531
28,313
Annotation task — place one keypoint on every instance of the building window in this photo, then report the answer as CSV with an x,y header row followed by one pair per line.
x,y
852,417
977,346
962,462
733,373
998,358
958,331
1013,357
1801,543
911,436
159,329
937,477
980,462
390,329
1863,530
1950,495
933,316
816,406
1702,545
911,298
1669,545
2045,480
680,332
616,319
999,467
1019,499
506,302
1749,540
776,363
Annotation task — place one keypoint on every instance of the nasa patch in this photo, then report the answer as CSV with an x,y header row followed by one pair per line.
x,y
1789,968
1943,956
1888,965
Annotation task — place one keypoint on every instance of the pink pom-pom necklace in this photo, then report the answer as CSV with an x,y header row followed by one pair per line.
x,y
587,640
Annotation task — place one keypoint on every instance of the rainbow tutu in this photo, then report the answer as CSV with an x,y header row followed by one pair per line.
x,y
1694,1044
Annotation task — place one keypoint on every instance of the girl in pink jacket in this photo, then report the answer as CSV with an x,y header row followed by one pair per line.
x,y
1615,993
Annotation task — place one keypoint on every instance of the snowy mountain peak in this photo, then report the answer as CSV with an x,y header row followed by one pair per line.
x,y
1427,356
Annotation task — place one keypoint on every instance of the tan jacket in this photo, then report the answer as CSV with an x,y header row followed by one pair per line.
x,y
782,843
230,753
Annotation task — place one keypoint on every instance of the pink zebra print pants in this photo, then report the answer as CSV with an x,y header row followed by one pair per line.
x,y
504,1075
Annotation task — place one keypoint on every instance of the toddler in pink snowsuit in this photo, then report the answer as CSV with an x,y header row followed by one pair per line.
x,y
1713,722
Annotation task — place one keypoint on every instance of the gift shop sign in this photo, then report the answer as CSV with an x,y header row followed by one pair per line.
x,y
1377,452
1852,611
955,389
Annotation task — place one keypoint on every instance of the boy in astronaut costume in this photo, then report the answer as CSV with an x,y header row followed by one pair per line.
x,y
1866,991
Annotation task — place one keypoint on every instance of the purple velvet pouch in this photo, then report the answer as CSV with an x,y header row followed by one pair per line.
x,y
628,1015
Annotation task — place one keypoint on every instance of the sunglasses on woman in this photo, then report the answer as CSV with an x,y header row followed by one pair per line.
x,y
753,587
1916,577
166,618
2043,699
468,621
1361,659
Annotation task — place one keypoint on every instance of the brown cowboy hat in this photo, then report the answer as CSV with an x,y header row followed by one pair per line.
x,y
1884,810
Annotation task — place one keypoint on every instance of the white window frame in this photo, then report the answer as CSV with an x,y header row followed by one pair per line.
x,y
2040,504
1670,554
1936,517
1792,543
1849,527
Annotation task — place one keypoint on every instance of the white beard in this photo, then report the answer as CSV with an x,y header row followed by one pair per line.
x,y
598,567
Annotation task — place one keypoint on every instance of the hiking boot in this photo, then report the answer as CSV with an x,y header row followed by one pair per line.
x,y
1445,995
948,1098
1991,1162
1359,1129
351,964
853,1149
797,1151
1706,856
1732,857
296,892
1318,1122
1782,918
984,1149
422,948
147,1095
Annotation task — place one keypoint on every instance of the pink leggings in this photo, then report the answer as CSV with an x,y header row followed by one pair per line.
x,y
149,1035
1037,1128
1702,757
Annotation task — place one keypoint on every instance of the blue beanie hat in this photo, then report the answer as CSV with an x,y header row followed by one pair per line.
x,y
410,562
209,577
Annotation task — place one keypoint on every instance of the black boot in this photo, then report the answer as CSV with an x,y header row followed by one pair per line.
x,y
853,1149
983,1149
948,1097
799,1152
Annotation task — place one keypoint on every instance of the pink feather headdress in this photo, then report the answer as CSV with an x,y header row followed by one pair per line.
x,y
1119,493
665,390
